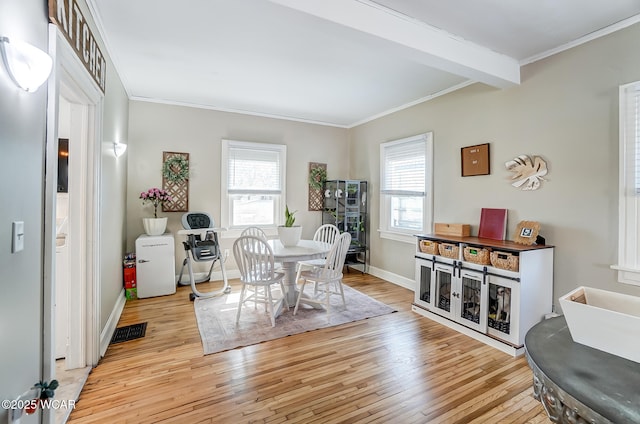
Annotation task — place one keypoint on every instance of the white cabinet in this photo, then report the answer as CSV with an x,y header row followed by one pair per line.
x,y
494,305
447,288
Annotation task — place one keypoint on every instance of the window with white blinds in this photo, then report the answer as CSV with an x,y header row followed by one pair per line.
x,y
406,168
253,169
253,176
628,266
631,133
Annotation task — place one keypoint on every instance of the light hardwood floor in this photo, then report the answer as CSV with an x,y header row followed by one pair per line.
x,y
397,368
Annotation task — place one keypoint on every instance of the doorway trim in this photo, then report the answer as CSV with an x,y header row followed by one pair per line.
x,y
71,79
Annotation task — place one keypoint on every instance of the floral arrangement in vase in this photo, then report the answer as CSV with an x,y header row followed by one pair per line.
x,y
157,197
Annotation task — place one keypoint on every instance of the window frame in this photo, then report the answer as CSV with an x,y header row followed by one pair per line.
x,y
628,266
384,229
225,197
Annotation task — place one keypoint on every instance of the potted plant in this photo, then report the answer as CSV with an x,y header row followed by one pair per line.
x,y
155,226
317,178
289,233
45,391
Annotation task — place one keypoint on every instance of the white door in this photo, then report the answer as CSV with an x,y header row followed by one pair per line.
x,y
61,313
424,283
472,300
444,290
62,263
503,317
70,79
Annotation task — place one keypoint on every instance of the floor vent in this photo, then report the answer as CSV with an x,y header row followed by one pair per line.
x,y
129,332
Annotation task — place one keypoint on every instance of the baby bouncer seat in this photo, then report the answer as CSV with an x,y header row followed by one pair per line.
x,y
201,245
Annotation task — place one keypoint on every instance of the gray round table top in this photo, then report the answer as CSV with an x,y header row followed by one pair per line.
x,y
607,384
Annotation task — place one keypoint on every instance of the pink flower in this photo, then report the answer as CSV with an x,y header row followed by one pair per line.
x,y
157,197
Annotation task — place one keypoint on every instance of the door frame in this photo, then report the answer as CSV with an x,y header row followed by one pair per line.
x,y
70,78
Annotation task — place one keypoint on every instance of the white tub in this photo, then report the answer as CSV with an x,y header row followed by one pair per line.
x,y
604,320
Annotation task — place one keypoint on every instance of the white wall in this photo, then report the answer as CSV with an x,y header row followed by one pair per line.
x,y
22,147
154,128
565,110
113,183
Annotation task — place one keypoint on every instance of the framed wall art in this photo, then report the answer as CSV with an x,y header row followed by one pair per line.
x,y
317,177
475,160
175,180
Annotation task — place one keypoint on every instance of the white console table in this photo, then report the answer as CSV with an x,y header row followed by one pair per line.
x,y
491,304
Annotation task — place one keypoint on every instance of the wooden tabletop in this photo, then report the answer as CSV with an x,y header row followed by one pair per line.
x,y
494,244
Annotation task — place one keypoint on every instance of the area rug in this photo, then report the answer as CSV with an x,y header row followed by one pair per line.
x,y
216,319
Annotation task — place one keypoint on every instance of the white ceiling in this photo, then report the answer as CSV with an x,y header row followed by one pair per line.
x,y
336,62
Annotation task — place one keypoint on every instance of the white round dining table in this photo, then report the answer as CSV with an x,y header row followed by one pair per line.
x,y
289,257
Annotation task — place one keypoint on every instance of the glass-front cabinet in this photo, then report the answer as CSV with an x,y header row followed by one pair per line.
x,y
450,290
443,278
504,293
345,206
424,282
471,296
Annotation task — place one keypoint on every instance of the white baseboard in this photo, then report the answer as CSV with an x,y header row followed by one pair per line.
x,y
110,327
399,280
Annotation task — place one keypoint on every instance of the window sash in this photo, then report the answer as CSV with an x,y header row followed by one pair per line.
x,y
253,169
628,265
252,172
406,168
245,213
402,212
630,128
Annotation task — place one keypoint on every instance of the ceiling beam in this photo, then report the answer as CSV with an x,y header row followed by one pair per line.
x,y
425,44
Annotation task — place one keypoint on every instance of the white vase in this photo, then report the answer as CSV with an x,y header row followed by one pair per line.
x,y
289,236
154,226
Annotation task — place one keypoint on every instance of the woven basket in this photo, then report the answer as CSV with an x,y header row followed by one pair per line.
x,y
449,250
505,260
429,246
477,255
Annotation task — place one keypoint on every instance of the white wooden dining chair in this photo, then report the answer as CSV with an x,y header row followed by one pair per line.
x,y
258,232
326,233
328,279
254,258
254,231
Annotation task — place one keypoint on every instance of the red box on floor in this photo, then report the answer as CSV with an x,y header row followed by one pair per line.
x,y
129,278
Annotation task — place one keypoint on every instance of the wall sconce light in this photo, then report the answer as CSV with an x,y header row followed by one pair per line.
x,y
28,66
119,148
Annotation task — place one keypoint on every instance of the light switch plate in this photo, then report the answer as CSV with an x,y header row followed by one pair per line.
x,y
18,236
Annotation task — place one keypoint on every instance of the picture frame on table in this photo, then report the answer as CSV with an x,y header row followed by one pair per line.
x,y
527,232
